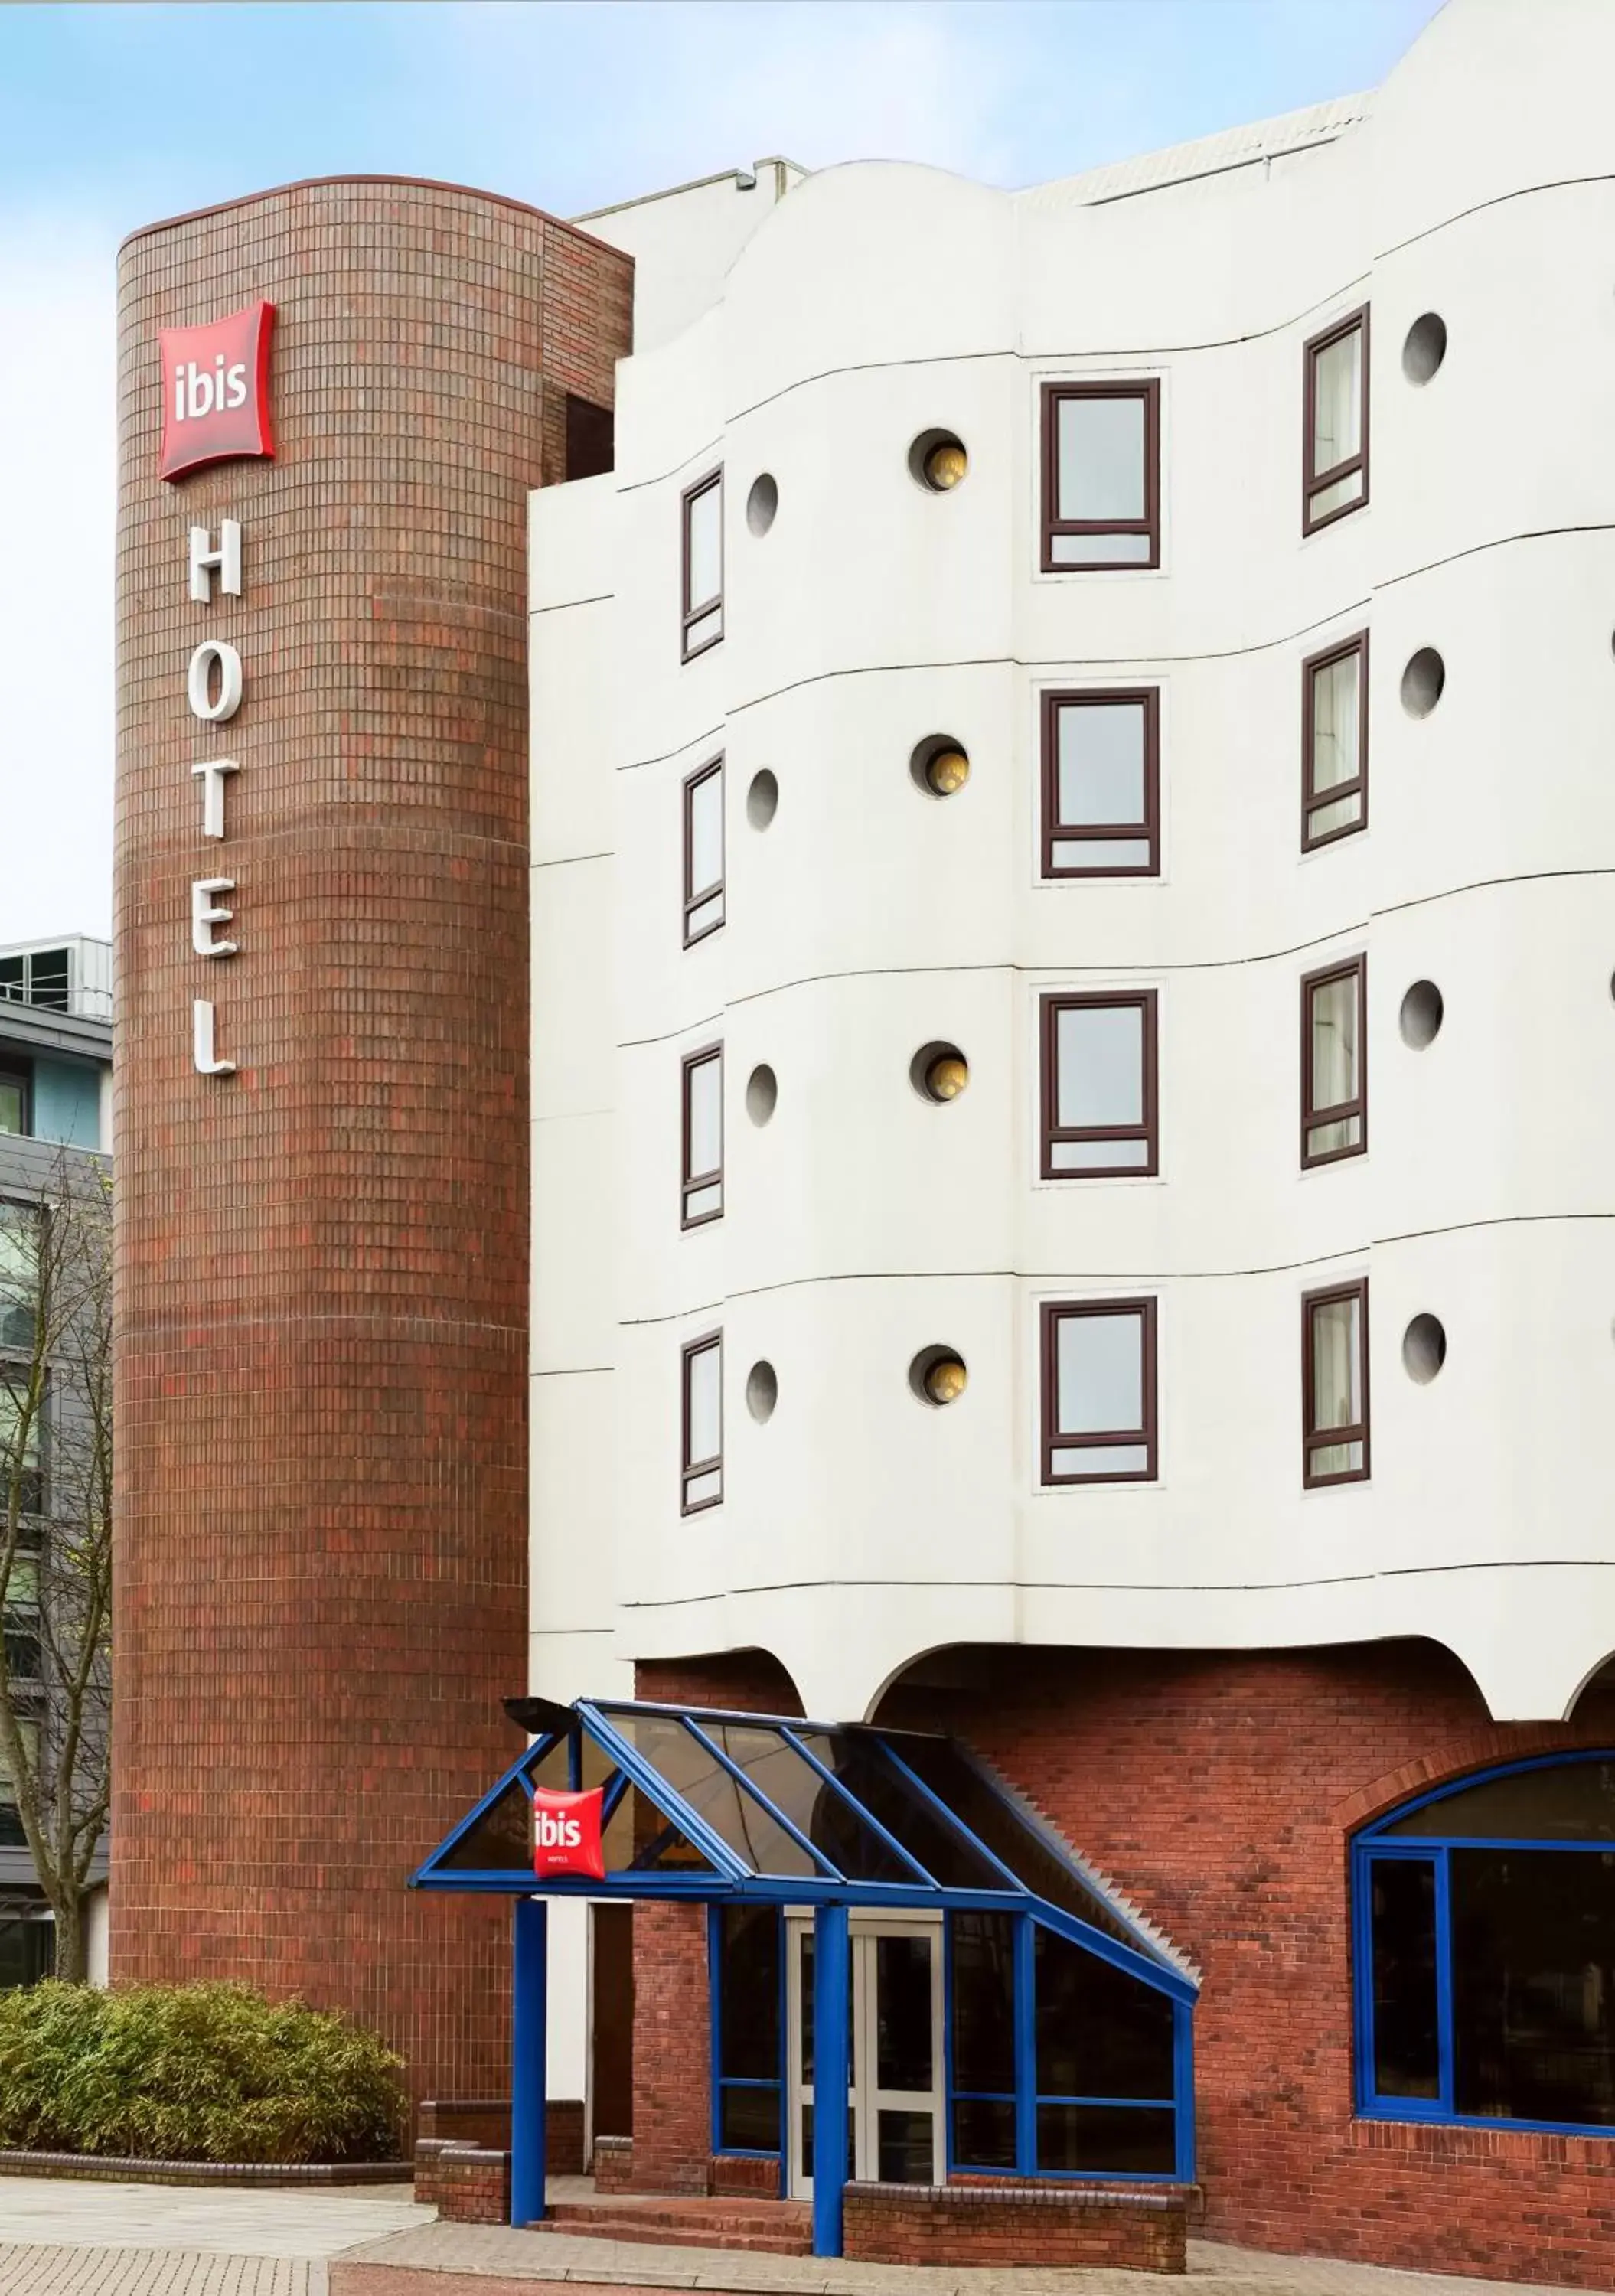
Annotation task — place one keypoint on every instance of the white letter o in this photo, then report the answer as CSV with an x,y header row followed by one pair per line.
x,y
199,677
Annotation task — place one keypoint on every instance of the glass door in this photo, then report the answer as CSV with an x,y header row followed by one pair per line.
x,y
894,2095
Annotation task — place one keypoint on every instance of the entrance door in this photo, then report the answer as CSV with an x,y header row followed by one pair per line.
x,y
894,2097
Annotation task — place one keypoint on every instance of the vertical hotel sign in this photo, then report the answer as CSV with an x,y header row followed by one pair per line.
x,y
215,409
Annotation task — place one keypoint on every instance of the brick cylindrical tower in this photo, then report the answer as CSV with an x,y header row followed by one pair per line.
x,y
322,1263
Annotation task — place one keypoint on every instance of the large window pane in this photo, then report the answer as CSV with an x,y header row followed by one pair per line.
x,y
749,2120
1099,1373
858,1760
1406,2050
1101,758
1336,723
904,2060
1099,1065
1101,458
706,832
1562,1801
1105,2140
716,1796
984,2132
1100,2033
983,1957
706,547
1337,402
749,1996
1534,1984
1337,1390
13,1103
704,1372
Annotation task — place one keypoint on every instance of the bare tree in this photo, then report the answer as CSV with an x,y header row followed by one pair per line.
x,y
55,1528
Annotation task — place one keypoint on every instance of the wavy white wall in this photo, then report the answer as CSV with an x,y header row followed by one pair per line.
x,y
859,1527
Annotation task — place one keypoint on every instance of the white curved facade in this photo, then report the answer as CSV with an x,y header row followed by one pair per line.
x,y
858,1526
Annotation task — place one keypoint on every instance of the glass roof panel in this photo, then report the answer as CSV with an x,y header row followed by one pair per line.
x,y
795,1787
638,1839
501,1842
999,1826
860,1761
717,1798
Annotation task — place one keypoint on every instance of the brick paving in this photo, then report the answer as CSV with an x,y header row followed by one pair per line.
x,y
57,2239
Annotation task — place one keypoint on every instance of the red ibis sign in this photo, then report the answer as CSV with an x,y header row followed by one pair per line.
x,y
566,1833
216,390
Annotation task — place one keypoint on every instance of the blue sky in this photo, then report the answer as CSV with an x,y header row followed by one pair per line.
x,y
112,116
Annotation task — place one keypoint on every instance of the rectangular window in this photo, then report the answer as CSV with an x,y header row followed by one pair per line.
x,y
702,1484
1334,742
982,1978
704,851
1334,1063
13,1100
702,556
746,2108
1101,784
1403,1973
1334,1385
1099,1080
703,1196
1099,1392
1101,476
1335,444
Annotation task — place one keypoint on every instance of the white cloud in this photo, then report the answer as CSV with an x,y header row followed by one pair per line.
x,y
58,458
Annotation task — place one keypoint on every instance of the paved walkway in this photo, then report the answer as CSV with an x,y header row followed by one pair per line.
x,y
61,2238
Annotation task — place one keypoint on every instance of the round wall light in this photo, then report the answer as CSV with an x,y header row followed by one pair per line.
x,y
762,798
762,503
938,1376
762,1094
938,462
1422,681
940,766
1425,346
938,1072
1423,1012
762,1392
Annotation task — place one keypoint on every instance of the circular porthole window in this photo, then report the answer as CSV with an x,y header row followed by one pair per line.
x,y
1422,681
938,1376
938,462
938,1072
1423,1348
762,1093
762,1392
1425,346
940,766
1423,1012
762,503
762,798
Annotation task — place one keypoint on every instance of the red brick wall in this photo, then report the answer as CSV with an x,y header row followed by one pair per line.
x,y
1050,2226
322,1299
1219,1791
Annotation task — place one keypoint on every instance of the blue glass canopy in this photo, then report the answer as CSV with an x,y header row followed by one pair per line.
x,y
718,1807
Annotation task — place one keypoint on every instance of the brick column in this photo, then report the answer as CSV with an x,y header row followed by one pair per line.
x,y
321,1259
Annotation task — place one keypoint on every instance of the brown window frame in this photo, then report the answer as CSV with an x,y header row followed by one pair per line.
x,y
692,1183
1052,1004
21,1073
1316,482
1147,388
694,899
1056,832
1314,801
1313,1438
692,611
1052,1314
691,1470
1353,968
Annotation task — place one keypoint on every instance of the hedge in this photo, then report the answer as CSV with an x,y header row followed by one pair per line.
x,y
192,2072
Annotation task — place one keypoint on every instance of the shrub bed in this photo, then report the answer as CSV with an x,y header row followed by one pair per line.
x,y
192,2072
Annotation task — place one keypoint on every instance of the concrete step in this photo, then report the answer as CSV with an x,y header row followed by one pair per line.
x,y
760,2228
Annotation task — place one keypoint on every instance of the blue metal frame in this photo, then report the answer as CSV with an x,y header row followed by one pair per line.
x,y
728,1880
1375,1844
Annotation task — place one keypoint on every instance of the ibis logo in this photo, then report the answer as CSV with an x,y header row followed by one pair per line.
x,y
566,1833
216,390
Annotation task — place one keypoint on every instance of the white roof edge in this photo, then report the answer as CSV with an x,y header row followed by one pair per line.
x,y
1209,155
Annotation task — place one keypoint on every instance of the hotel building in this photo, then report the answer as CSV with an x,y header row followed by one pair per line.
x,y
1043,756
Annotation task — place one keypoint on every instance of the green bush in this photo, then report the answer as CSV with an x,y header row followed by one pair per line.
x,y
192,2072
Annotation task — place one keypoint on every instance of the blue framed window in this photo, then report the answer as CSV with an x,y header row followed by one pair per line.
x,y
1484,1950
746,1960
1061,2062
